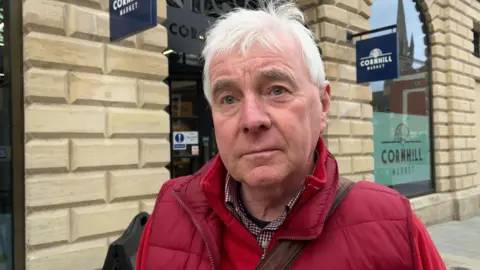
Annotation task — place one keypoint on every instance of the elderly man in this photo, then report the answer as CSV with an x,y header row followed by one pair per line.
x,y
272,198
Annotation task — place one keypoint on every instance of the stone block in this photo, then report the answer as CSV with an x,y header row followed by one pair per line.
x,y
349,109
338,127
367,146
47,227
44,15
367,111
51,120
363,164
357,22
365,10
361,128
161,10
442,170
147,205
128,122
340,90
333,145
154,39
440,130
56,189
442,157
434,208
350,5
132,183
467,203
344,165
361,93
350,146
153,95
440,103
47,50
94,89
333,14
136,63
77,256
47,155
88,23
154,152
347,73
102,219
92,153
45,85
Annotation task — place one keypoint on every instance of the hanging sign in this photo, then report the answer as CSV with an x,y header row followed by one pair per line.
x,y
129,17
377,58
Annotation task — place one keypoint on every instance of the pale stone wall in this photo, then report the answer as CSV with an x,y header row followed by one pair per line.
x,y
96,130
350,128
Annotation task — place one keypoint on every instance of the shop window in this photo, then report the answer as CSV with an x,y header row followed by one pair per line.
x,y
402,138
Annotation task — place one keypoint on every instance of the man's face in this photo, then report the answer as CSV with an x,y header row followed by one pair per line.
x,y
268,114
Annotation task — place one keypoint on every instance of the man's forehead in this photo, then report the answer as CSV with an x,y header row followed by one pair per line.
x,y
258,56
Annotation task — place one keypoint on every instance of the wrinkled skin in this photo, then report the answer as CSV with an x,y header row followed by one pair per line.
x,y
268,116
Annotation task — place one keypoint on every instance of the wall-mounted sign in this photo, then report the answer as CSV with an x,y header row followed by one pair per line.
x,y
401,148
188,20
129,17
195,150
182,138
377,58
186,30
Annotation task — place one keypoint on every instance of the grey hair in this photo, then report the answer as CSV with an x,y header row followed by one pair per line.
x,y
242,27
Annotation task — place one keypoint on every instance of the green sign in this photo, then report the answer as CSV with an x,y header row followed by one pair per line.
x,y
401,148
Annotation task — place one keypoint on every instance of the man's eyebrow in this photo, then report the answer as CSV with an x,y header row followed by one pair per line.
x,y
221,84
276,74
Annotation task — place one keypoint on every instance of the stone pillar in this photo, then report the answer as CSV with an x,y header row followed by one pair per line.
x,y
96,130
350,127
455,69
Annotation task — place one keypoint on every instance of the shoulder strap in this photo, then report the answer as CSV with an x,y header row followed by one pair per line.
x,y
286,251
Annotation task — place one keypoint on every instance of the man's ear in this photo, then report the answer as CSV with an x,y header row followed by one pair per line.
x,y
325,97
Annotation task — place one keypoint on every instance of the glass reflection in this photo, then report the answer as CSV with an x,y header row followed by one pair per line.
x,y
401,106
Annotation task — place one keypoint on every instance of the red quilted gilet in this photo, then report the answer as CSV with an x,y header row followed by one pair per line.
x,y
192,229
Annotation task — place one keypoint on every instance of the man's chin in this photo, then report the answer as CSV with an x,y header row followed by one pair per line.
x,y
263,176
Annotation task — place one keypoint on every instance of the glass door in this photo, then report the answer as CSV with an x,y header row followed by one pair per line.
x,y
192,140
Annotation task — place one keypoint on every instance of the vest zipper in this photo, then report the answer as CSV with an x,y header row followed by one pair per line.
x,y
210,256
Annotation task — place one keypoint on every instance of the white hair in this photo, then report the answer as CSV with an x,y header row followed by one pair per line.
x,y
242,27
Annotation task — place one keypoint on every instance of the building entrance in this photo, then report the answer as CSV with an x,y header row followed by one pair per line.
x,y
192,135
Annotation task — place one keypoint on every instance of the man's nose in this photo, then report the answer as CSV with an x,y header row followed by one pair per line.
x,y
254,116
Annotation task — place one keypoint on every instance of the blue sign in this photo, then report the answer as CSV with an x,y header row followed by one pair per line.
x,y
377,58
129,17
179,138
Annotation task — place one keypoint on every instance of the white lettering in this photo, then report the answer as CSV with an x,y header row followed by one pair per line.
x,y
121,3
377,62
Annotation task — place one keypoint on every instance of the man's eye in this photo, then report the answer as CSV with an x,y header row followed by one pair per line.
x,y
278,90
228,99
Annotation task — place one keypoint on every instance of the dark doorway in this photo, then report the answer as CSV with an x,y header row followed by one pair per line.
x,y
192,137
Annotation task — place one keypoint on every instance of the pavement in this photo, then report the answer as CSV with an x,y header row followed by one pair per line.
x,y
458,243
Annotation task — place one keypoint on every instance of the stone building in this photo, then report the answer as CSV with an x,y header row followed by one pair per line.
x,y
87,125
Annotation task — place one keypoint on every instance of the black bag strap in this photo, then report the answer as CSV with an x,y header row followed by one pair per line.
x,y
286,251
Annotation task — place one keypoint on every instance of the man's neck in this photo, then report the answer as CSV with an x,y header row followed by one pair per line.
x,y
269,203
